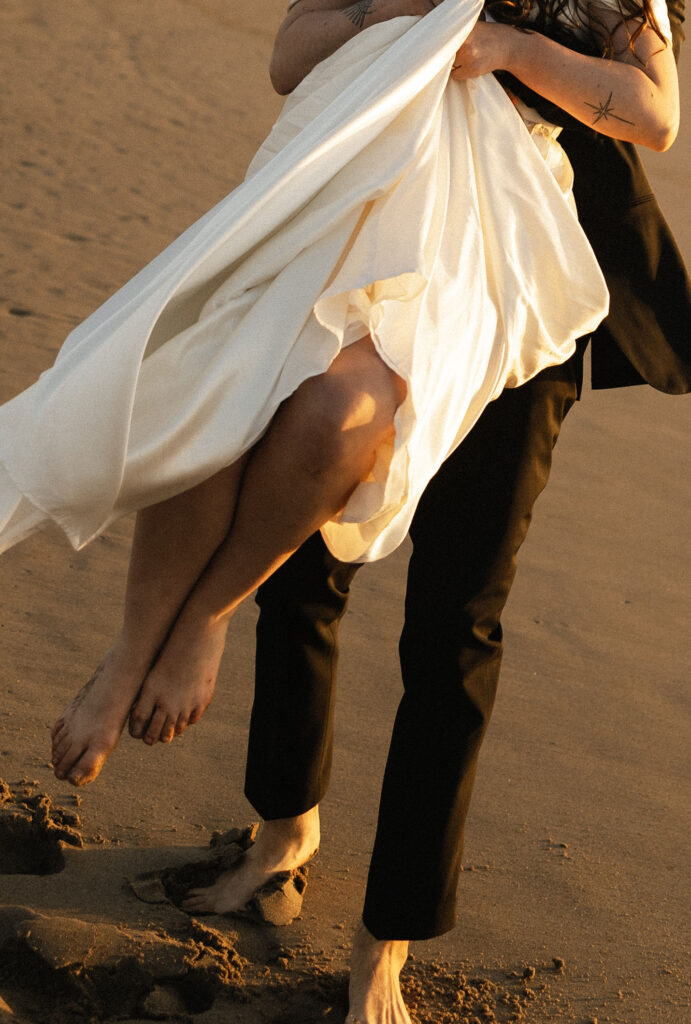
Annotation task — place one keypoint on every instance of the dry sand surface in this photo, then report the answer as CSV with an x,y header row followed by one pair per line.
x,y
121,123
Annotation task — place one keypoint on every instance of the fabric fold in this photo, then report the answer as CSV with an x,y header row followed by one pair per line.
x,y
388,201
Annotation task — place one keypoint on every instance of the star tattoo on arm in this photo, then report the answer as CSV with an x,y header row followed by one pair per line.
x,y
358,12
605,111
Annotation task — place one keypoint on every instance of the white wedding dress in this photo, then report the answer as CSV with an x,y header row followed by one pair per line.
x,y
388,200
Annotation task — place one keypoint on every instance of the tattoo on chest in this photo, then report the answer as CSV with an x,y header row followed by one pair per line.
x,y
358,12
603,111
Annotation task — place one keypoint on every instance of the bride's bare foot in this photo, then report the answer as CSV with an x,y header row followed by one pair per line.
x,y
180,683
375,993
89,728
282,845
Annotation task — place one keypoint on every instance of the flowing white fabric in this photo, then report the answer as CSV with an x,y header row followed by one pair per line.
x,y
387,200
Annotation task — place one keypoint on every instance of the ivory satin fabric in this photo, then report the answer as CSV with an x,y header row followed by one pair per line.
x,y
387,200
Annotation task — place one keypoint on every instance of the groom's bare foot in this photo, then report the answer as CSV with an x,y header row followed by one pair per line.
x,y
374,993
282,845
89,728
181,682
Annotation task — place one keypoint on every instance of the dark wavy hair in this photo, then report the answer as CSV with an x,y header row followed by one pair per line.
x,y
566,21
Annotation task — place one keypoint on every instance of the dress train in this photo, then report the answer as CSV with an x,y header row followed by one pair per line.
x,y
389,200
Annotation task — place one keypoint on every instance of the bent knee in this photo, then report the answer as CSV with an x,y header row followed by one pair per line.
x,y
358,391
343,418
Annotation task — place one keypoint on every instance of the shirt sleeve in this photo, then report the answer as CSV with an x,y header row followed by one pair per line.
x,y
659,9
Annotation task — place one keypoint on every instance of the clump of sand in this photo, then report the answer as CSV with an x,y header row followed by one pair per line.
x,y
34,832
64,969
278,903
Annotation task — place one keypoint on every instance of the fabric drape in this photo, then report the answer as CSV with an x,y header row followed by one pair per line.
x,y
387,200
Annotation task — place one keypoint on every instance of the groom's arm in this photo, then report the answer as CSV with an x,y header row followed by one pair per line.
x,y
677,14
314,29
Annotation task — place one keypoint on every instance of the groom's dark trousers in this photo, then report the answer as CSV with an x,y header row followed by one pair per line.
x,y
480,503
466,533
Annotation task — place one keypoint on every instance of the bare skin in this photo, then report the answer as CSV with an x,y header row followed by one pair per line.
x,y
633,97
374,992
312,31
195,557
282,845
181,683
163,568
89,728
321,444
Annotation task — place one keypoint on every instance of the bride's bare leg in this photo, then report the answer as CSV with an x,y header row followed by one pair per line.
x,y
321,444
172,543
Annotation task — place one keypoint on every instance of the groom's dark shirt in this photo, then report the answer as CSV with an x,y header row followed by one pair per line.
x,y
646,338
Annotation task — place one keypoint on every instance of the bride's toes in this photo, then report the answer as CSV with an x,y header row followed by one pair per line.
x,y
154,730
87,767
158,719
168,731
61,743
57,729
153,721
182,723
141,714
66,757
78,759
180,684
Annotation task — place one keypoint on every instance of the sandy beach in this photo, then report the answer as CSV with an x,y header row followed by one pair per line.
x,y
122,123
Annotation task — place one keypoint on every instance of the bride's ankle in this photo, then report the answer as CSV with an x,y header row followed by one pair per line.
x,y
130,652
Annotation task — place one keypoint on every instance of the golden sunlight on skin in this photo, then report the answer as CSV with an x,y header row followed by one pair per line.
x,y
102,168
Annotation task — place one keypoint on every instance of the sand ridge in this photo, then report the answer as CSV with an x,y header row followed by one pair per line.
x,y
170,966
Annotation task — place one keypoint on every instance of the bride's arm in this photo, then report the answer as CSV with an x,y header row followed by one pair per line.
x,y
314,29
634,97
